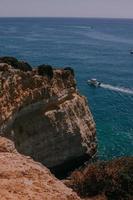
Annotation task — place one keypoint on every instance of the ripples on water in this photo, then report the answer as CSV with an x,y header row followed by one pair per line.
x,y
94,48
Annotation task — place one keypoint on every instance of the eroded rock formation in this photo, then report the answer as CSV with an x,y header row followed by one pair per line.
x,y
43,113
23,179
46,117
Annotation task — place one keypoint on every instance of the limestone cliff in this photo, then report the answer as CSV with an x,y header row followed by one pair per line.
x,y
44,114
21,178
46,117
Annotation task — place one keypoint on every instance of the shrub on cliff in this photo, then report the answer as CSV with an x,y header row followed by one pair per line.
x,y
114,179
9,60
23,66
45,70
70,69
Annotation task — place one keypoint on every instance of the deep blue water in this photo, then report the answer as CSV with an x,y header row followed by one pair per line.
x,y
94,48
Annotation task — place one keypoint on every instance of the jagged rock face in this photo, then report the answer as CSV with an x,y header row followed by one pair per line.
x,y
47,118
24,179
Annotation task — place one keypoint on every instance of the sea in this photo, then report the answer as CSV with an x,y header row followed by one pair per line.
x,y
95,48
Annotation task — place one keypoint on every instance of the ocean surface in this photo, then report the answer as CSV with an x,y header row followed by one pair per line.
x,y
95,48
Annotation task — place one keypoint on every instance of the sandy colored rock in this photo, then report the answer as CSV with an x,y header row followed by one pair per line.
x,y
7,145
47,118
23,179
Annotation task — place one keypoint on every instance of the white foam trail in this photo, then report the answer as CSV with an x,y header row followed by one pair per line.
x,y
117,89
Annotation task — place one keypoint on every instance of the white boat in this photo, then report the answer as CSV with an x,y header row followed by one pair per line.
x,y
131,51
94,82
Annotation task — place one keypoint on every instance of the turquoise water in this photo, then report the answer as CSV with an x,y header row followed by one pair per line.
x,y
96,48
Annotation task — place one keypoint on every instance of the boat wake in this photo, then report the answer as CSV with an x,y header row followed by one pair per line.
x,y
117,89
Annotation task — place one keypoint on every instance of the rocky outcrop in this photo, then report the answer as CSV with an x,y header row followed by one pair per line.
x,y
46,117
22,178
111,180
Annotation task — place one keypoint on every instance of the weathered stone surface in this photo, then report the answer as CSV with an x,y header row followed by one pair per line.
x,y
47,118
7,145
23,179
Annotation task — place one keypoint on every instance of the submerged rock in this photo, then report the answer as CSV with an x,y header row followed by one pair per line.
x,y
47,118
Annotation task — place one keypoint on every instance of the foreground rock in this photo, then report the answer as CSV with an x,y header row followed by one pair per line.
x,y
112,180
23,179
42,111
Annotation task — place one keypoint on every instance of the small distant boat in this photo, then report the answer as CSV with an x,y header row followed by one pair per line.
x,y
94,82
131,51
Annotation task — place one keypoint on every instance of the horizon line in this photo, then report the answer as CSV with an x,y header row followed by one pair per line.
x,y
74,17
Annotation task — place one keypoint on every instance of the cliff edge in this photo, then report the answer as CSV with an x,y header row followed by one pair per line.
x,y
24,179
44,114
